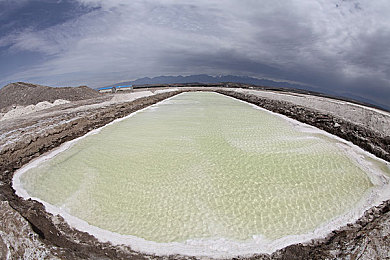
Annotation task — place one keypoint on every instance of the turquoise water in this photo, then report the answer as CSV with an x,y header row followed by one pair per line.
x,y
201,165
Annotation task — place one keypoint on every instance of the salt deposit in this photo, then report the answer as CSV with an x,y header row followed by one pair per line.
x,y
25,110
340,244
128,97
131,96
165,90
366,117
283,220
60,102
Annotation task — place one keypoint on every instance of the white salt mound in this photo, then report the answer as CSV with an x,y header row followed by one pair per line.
x,y
131,96
41,105
60,102
165,90
21,110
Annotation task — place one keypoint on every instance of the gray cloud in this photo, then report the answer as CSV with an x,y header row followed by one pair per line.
x,y
331,44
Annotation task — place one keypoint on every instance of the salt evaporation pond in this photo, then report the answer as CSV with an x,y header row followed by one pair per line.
x,y
204,167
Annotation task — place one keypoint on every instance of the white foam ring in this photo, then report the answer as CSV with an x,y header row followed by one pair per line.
x,y
221,247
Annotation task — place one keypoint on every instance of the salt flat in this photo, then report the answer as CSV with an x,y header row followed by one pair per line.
x,y
199,168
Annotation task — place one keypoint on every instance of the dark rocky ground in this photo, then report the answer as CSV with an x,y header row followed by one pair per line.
x,y
50,237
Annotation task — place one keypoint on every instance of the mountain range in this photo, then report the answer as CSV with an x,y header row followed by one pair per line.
x,y
203,78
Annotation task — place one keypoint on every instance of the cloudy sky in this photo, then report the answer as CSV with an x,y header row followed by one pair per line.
x,y
339,46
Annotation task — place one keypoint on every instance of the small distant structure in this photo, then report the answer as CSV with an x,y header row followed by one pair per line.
x,y
124,88
107,90
115,89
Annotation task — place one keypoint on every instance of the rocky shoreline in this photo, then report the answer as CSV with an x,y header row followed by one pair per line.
x,y
368,238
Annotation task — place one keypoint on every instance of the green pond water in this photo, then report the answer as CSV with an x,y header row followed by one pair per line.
x,y
201,165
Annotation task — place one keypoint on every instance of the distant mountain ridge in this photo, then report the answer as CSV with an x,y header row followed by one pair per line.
x,y
203,78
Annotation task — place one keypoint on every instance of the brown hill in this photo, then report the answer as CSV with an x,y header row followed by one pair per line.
x,y
24,94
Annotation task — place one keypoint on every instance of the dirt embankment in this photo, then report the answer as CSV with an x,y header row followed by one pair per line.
x,y
368,238
25,94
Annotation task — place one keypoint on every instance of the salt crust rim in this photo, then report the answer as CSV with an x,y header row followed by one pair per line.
x,y
221,247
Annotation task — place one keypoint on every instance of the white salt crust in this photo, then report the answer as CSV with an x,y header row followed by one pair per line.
x,y
128,97
221,247
25,110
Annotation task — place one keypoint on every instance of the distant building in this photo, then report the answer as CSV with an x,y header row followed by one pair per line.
x,y
107,90
115,89
124,88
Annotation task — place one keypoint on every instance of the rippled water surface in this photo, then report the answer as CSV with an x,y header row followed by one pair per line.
x,y
201,165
